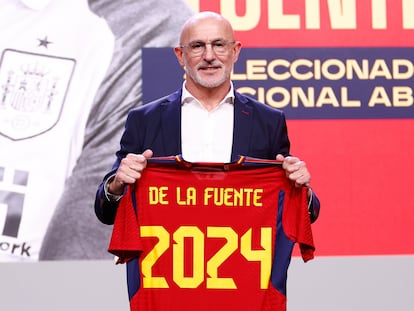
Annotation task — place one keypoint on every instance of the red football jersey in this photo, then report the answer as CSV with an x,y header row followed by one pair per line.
x,y
210,236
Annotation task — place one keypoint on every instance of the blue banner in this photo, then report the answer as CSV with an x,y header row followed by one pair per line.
x,y
307,83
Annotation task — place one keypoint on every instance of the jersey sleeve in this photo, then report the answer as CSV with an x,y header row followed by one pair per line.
x,y
125,242
296,222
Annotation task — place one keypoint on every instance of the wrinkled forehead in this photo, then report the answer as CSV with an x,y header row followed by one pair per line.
x,y
206,29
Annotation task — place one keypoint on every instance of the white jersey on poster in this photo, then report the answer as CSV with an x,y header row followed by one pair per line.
x,y
53,57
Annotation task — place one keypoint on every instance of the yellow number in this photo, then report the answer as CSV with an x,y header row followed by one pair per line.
x,y
221,256
198,257
264,256
149,261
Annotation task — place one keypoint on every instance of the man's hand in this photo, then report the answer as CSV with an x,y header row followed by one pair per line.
x,y
129,171
296,170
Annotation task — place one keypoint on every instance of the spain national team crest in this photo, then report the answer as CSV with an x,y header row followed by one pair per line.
x,y
33,88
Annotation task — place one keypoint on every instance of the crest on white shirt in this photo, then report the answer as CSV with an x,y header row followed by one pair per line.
x,y
33,88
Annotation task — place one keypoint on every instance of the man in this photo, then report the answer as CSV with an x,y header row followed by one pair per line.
x,y
205,121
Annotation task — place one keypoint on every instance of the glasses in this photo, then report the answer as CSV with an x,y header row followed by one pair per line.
x,y
220,47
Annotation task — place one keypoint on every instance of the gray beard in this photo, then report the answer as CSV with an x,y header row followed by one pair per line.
x,y
205,83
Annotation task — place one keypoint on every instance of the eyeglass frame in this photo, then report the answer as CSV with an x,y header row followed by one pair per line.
x,y
203,46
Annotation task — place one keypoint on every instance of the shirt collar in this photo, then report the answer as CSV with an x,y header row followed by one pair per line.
x,y
187,97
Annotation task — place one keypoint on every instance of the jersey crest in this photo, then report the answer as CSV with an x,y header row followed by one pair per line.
x,y
33,88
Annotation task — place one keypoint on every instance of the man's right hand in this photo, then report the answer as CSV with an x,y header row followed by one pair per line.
x,y
129,171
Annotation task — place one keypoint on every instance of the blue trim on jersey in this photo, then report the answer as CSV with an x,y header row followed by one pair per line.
x,y
133,277
242,161
132,266
250,161
283,251
134,198
167,159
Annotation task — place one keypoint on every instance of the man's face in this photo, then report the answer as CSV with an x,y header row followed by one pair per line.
x,y
208,53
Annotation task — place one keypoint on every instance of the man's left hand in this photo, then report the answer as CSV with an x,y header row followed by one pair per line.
x,y
296,170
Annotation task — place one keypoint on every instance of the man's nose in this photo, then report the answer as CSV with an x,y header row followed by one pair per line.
x,y
209,51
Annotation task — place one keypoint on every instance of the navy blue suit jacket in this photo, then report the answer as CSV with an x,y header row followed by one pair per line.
x,y
259,131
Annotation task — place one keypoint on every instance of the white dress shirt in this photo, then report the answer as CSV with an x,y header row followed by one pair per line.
x,y
207,136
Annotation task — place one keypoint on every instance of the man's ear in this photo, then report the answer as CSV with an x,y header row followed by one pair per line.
x,y
236,51
179,54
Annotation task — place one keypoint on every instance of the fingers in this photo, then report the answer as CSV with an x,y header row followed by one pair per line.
x,y
301,177
297,171
129,170
280,157
148,153
131,167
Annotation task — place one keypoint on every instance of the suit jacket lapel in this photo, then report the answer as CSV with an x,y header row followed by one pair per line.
x,y
171,123
243,115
